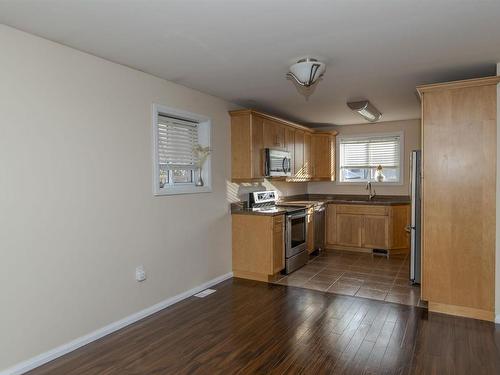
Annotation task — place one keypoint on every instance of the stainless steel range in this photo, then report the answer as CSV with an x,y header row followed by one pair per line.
x,y
295,227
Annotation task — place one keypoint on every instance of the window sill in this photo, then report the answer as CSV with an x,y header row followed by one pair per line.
x,y
183,190
374,183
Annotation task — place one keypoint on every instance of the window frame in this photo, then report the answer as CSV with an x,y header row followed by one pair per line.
x,y
399,134
204,139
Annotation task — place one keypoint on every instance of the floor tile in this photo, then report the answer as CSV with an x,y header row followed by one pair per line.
x,y
291,282
317,285
342,288
361,274
404,299
377,286
350,281
371,293
325,278
331,271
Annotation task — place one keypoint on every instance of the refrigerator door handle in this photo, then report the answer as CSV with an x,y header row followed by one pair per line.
x,y
409,228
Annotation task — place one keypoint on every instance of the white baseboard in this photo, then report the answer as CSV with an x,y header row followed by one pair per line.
x,y
497,318
43,358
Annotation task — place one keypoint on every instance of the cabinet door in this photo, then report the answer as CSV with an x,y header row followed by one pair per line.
x,y
241,151
459,170
375,232
257,147
322,152
349,229
331,224
299,155
307,156
274,135
278,245
290,145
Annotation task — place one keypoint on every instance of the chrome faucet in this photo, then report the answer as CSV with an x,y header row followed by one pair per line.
x,y
371,191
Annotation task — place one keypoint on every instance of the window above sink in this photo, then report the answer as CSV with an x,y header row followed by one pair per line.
x,y
376,158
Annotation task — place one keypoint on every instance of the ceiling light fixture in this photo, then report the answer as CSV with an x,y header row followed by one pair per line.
x,y
305,73
366,109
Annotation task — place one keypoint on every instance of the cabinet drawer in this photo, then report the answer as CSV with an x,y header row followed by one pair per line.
x,y
362,210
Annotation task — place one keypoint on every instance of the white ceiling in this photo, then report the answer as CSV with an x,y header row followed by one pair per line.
x,y
240,50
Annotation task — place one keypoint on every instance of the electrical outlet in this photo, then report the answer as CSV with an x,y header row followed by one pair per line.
x,y
140,274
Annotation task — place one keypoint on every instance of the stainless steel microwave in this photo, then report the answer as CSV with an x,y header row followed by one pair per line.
x,y
277,163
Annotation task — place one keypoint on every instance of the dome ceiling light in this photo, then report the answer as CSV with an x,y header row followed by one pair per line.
x,y
305,73
366,109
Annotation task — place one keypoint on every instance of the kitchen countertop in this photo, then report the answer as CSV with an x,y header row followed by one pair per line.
x,y
381,200
238,210
310,199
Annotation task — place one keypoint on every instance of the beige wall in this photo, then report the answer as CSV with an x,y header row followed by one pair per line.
x,y
411,129
497,258
77,210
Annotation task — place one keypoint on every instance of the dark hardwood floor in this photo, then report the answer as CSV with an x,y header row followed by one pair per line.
x,y
255,328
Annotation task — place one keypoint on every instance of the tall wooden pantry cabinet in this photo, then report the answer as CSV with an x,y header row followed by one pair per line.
x,y
458,196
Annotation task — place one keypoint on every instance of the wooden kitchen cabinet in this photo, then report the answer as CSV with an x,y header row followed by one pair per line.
x,y
299,174
278,249
307,156
358,227
258,246
252,132
247,145
290,146
459,148
323,156
349,229
274,135
375,233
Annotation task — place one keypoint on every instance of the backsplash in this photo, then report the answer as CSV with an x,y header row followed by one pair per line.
x,y
237,192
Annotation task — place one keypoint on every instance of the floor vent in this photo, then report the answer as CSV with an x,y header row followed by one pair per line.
x,y
205,293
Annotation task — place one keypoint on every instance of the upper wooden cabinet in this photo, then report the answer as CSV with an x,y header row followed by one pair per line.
x,y
323,156
307,156
290,145
299,168
312,153
459,148
274,135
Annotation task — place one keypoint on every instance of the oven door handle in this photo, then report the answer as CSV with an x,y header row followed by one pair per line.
x,y
296,216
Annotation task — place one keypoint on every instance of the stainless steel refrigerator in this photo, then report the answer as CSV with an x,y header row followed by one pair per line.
x,y
415,224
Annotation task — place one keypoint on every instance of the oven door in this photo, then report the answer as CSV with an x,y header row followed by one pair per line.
x,y
296,233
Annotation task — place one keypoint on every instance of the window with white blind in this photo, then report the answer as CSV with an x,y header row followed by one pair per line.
x,y
177,168
376,158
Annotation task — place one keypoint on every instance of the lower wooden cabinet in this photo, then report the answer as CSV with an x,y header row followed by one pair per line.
x,y
364,227
258,246
375,232
348,228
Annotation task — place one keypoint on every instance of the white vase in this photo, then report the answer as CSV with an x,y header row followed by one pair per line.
x,y
199,182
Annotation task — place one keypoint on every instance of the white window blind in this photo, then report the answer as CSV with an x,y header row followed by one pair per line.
x,y
176,141
370,152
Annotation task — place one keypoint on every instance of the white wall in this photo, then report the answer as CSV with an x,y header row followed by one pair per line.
x,y
77,214
411,129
